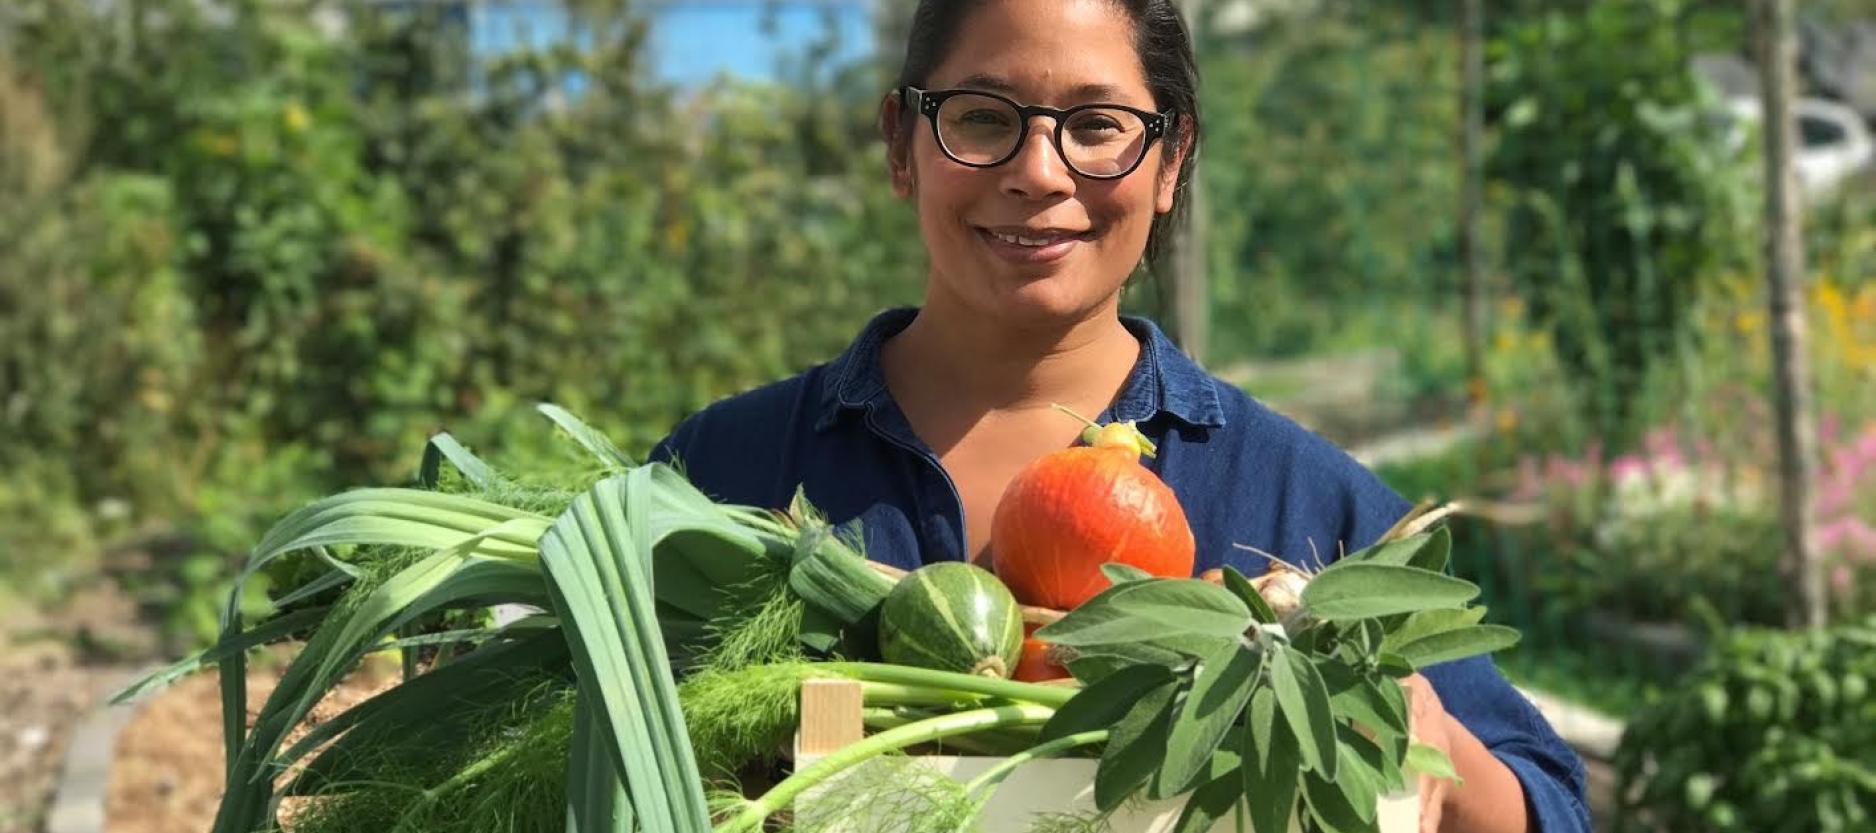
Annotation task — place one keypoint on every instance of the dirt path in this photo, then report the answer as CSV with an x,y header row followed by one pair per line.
x,y
167,771
48,684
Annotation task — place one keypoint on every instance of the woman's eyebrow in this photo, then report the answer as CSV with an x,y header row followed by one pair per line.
x,y
1085,92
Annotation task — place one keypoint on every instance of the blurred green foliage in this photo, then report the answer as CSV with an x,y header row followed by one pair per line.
x,y
1329,165
254,263
1772,734
1626,204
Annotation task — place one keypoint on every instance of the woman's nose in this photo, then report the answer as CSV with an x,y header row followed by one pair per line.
x,y
1038,171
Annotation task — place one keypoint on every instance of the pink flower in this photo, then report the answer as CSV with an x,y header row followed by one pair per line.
x,y
1627,467
1848,536
1572,473
1833,495
1663,445
1841,579
1828,428
1831,535
1862,545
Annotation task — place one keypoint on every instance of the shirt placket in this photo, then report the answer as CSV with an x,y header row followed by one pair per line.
x,y
938,500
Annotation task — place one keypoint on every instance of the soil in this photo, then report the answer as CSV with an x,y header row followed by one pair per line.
x,y
167,776
43,695
58,666
52,674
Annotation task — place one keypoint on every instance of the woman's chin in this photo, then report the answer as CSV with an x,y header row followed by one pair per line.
x,y
1047,300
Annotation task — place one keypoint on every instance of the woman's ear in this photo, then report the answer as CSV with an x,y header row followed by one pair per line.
x,y
1169,174
898,151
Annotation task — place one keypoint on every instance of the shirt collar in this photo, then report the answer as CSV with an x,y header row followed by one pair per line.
x,y
1164,380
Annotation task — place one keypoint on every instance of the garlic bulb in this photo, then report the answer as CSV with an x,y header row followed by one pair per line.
x,y
1282,587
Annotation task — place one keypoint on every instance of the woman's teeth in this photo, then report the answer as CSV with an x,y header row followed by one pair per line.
x,y
1027,241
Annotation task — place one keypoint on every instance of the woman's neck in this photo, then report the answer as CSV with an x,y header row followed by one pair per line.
x,y
973,362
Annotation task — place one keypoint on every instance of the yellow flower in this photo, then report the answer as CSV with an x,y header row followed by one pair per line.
x,y
1507,420
676,234
218,143
295,117
1749,322
1863,309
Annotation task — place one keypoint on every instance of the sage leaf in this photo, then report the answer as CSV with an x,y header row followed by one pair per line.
x,y
1119,573
1330,807
1217,697
1429,622
1394,665
1426,550
1355,697
1241,587
1210,803
1135,747
1271,765
1458,644
1187,606
1177,613
1359,590
1305,707
1360,771
1437,554
1105,702
1098,621
1426,760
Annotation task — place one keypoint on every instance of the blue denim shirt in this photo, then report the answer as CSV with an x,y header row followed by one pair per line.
x,y
1243,473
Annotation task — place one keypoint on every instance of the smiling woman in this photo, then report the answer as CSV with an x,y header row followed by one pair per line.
x,y
1044,146
1053,203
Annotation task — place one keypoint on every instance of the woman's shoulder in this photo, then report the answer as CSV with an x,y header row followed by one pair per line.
x,y
1253,426
724,443
1296,490
763,404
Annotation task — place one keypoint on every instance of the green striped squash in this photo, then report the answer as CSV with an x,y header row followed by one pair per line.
x,y
952,616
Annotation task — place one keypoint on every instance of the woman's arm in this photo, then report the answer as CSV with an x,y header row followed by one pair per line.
x,y
1488,798
1519,775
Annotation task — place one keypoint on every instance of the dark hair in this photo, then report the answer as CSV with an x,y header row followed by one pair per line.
x,y
1165,51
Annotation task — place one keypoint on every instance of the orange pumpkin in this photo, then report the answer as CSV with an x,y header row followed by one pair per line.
x,y
1071,511
1037,661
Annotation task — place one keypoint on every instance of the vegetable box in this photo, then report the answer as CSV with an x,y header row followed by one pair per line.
x,y
1037,790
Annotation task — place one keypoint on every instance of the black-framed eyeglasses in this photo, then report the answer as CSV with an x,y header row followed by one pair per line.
x,y
984,130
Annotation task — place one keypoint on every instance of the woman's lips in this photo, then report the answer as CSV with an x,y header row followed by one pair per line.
x,y
1058,247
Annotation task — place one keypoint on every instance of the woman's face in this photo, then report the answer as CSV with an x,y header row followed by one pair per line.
x,y
1092,232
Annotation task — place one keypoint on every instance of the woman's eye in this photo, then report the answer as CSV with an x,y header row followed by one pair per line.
x,y
1096,126
984,117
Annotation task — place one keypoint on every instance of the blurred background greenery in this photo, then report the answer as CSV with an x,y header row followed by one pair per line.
x,y
252,252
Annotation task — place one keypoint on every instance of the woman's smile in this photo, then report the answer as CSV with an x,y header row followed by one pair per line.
x,y
1026,245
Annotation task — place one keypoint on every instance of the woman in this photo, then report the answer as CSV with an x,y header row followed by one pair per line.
x,y
1043,144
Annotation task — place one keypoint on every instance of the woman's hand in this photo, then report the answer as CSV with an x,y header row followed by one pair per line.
x,y
1488,797
1430,724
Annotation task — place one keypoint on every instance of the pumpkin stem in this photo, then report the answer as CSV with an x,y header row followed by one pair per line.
x,y
1124,435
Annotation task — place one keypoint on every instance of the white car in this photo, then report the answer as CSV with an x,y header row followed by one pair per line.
x,y
1833,142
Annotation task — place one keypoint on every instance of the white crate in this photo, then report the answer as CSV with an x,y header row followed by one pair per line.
x,y
830,719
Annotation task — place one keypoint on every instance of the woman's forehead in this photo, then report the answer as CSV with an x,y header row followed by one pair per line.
x,y
1047,52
